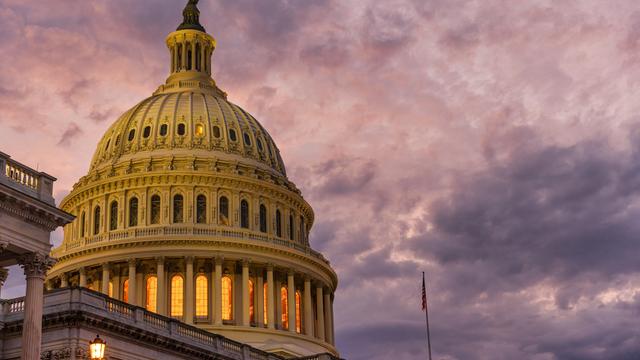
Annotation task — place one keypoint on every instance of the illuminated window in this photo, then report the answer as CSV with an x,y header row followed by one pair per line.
x,y
155,209
298,317
152,294
216,132
82,220
125,291
92,285
110,288
202,296
181,129
264,305
113,216
252,317
178,214
278,223
224,210
227,298
146,132
177,295
244,214
199,130
201,209
133,212
263,218
291,227
285,307
96,220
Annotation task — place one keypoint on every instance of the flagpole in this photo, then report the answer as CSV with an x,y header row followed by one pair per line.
x,y
426,312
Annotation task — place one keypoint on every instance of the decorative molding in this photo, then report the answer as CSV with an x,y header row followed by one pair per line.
x,y
36,265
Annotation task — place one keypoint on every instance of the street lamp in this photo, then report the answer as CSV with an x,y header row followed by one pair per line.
x,y
96,348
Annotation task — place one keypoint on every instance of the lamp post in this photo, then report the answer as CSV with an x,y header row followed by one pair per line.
x,y
96,348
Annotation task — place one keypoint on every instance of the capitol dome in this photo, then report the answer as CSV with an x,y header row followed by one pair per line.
x,y
187,212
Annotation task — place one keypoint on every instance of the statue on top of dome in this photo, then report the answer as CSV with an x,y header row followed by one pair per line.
x,y
191,16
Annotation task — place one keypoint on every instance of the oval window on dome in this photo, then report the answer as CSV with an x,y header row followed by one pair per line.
x,y
163,130
132,134
259,144
216,132
232,135
146,132
181,129
199,130
247,139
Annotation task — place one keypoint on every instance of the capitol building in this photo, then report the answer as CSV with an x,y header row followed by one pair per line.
x,y
187,214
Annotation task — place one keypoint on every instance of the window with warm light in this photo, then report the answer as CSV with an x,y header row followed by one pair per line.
x,y
265,291
202,296
199,130
227,298
125,291
152,294
285,307
177,296
252,317
110,288
298,317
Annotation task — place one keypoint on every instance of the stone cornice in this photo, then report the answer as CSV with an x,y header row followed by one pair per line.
x,y
31,210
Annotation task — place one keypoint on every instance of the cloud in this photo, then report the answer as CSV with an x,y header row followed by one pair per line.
x,y
72,132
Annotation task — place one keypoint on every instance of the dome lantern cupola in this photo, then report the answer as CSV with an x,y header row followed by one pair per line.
x,y
191,49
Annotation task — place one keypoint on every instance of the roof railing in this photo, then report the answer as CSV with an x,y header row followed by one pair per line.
x,y
22,178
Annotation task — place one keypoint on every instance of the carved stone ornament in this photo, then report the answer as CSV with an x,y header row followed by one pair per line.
x,y
36,264
59,354
3,275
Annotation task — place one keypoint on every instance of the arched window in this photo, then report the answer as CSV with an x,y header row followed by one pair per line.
x,y
232,135
247,139
201,209
298,317
177,296
291,228
132,134
263,218
302,230
278,223
152,294
133,211
96,220
110,288
181,129
163,130
252,317
227,298
199,130
198,57
113,216
264,301
125,291
216,132
82,220
155,209
178,208
224,210
189,55
146,132
202,296
244,214
285,307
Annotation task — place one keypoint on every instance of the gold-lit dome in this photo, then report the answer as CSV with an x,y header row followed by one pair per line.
x,y
187,212
191,123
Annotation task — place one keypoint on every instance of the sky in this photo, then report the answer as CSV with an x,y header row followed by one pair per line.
x,y
493,144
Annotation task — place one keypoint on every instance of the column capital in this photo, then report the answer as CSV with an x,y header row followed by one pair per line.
x,y
270,266
218,259
189,259
82,271
3,246
132,261
291,272
3,275
160,259
106,265
36,265
245,262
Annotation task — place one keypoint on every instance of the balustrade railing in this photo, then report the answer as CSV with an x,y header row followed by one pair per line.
x,y
26,179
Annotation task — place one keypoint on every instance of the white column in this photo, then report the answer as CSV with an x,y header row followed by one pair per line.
x,y
132,282
105,278
161,299
327,317
218,292
259,307
245,293
320,312
291,301
83,277
308,312
35,268
271,317
184,55
188,314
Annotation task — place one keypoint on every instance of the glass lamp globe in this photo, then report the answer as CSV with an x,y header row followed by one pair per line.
x,y
96,348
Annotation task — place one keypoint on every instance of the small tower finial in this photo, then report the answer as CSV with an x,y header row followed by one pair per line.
x,y
191,16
